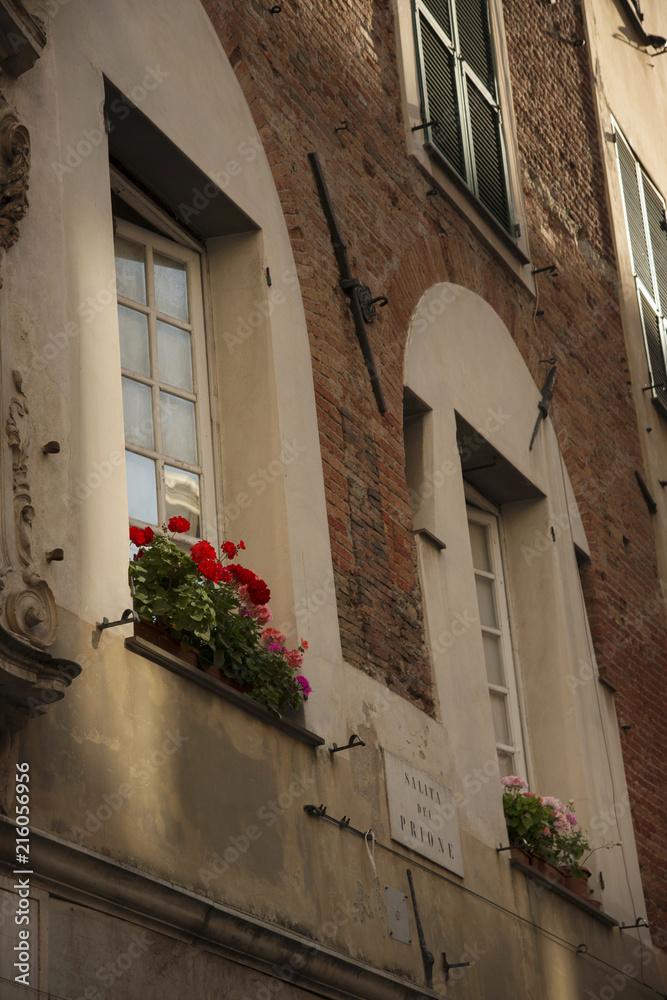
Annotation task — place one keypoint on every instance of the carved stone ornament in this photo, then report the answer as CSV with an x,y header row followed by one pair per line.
x,y
29,607
14,170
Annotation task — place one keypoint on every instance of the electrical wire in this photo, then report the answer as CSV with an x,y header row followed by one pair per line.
x,y
317,813
591,652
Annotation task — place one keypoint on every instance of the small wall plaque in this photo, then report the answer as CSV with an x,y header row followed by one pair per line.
x,y
423,813
397,914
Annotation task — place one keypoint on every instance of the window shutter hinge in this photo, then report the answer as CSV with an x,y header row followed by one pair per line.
x,y
610,136
517,230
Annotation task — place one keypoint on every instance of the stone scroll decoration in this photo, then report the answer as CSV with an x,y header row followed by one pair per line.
x,y
30,609
14,171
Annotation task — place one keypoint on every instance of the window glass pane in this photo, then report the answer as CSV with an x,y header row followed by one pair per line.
x,y
499,712
174,355
137,413
493,659
505,764
141,489
480,552
171,289
179,437
133,328
130,270
486,602
182,497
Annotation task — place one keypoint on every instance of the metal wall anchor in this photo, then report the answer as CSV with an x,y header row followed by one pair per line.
x,y
368,304
355,741
127,616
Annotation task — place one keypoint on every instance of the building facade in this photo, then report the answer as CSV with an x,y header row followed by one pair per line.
x,y
380,288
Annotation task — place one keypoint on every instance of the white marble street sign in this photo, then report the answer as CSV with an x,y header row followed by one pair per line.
x,y
423,813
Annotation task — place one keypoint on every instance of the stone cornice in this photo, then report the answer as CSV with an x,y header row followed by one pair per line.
x,y
81,875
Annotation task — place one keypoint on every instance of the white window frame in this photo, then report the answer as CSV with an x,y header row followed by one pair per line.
x,y
200,372
492,522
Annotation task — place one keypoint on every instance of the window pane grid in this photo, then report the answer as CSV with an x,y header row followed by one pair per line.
x,y
173,390
485,548
176,447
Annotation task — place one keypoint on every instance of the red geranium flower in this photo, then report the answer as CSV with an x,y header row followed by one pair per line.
x,y
202,550
149,535
229,549
241,574
211,569
241,545
258,592
179,524
137,536
137,555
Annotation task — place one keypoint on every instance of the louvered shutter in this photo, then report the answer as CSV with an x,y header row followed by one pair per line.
x,y
459,91
652,324
439,95
645,218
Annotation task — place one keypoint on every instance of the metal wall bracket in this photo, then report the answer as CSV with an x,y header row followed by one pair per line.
x,y
355,741
368,304
351,284
127,616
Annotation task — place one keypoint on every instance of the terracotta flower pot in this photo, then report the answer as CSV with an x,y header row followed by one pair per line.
x,y
158,637
578,886
546,869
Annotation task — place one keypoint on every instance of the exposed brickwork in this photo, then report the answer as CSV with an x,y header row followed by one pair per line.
x,y
302,72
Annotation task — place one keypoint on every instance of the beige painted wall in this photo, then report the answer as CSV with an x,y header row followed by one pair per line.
x,y
154,772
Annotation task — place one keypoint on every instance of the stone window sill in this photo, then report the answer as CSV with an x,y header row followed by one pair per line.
x,y
558,890
165,659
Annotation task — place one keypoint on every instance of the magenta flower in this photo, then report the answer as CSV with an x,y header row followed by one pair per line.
x,y
305,686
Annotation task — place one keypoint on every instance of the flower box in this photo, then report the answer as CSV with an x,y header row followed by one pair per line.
x,y
158,637
213,617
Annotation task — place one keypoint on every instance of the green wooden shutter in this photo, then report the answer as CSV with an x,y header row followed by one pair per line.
x,y
645,218
634,214
459,91
474,32
439,95
488,155
652,325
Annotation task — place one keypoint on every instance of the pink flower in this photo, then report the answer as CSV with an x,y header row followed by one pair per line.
x,y
261,613
553,803
512,781
572,819
294,658
273,634
305,686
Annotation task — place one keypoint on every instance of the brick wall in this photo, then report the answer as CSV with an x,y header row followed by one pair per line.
x,y
305,70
